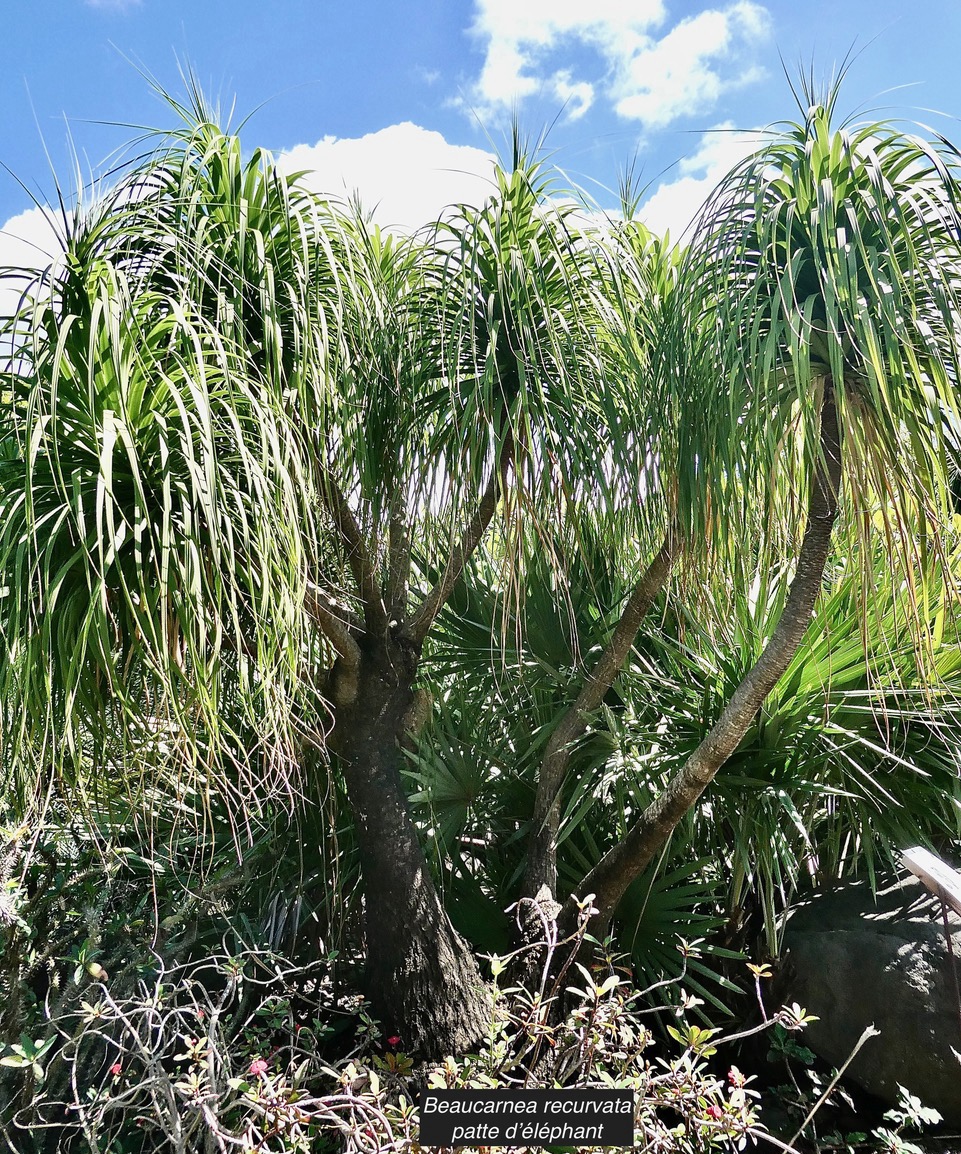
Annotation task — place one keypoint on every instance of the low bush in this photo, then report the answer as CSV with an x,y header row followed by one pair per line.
x,y
246,1051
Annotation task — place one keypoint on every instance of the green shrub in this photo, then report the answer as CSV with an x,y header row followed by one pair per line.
x,y
235,1050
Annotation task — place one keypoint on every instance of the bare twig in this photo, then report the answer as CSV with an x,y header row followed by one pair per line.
x,y
869,1033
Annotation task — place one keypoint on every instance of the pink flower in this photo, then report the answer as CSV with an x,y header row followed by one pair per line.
x,y
116,1069
715,1112
394,1040
258,1066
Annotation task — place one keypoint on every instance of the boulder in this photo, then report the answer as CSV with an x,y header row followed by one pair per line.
x,y
855,959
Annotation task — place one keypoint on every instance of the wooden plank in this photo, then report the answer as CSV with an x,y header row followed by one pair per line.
x,y
937,875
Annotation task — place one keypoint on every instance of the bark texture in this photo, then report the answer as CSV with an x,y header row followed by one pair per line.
x,y
422,978
621,865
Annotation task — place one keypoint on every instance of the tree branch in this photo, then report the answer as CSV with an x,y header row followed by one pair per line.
x,y
625,861
542,849
398,551
419,622
358,554
335,624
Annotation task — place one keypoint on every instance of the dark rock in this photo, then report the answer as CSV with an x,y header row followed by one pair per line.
x,y
853,960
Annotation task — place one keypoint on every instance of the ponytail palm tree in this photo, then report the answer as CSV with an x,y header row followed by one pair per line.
x,y
248,446
478,388
817,365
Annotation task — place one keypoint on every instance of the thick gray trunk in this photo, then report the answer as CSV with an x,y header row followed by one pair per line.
x,y
422,978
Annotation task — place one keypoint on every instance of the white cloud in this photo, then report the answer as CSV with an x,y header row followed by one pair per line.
x,y
676,203
649,74
677,75
520,33
540,22
502,80
28,240
577,96
406,174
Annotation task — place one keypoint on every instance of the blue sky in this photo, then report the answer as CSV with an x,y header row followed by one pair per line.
x,y
405,101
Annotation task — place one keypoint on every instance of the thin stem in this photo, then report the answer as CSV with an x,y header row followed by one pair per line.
x,y
869,1033
419,622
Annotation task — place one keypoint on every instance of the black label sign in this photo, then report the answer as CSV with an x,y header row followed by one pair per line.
x,y
526,1117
